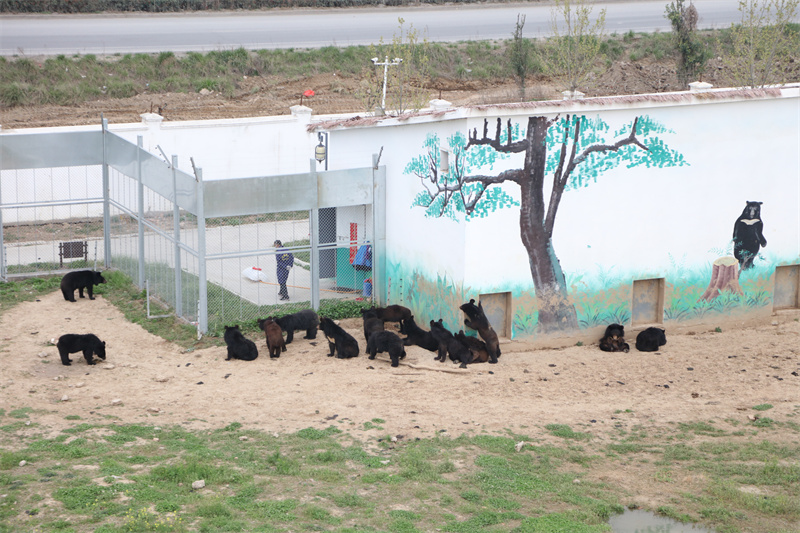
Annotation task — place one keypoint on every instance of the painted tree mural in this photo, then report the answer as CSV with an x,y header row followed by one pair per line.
x,y
561,153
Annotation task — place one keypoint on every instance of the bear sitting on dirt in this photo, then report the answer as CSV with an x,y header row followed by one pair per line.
x,y
239,346
81,279
339,341
651,339
416,336
274,336
306,320
614,339
88,344
386,341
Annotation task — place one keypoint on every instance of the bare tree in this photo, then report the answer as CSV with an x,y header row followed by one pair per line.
x,y
762,43
576,43
570,149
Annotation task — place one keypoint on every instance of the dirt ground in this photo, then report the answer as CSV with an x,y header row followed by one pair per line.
x,y
698,376
268,96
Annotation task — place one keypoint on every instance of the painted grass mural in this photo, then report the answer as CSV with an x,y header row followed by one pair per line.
x,y
599,298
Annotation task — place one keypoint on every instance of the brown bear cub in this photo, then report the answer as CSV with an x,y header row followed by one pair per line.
x,y
239,346
89,344
614,339
274,336
81,279
393,313
476,347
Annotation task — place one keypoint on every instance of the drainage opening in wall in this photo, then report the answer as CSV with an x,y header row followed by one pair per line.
x,y
787,288
648,302
497,307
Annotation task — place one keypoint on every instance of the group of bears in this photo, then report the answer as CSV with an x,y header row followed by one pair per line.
x,y
748,237
460,348
648,340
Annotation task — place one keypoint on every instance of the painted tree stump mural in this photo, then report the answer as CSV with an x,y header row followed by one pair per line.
x,y
724,277
556,153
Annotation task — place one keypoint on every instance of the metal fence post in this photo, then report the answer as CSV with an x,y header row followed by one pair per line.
x,y
176,235
140,208
106,200
314,231
202,310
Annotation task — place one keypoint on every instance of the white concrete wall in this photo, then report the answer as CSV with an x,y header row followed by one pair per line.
x,y
631,223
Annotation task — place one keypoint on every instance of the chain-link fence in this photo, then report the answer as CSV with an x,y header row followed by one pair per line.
x,y
266,255
51,219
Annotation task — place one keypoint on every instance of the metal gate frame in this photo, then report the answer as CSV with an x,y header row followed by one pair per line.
x,y
310,191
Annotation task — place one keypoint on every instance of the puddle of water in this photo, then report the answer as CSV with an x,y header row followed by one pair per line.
x,y
638,521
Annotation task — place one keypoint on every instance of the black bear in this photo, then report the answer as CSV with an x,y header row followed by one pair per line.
x,y
476,347
748,235
614,339
88,344
386,341
341,343
371,322
476,317
449,345
306,320
416,336
477,320
393,313
239,346
651,339
80,279
274,336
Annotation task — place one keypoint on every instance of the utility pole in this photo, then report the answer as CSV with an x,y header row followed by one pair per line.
x,y
386,64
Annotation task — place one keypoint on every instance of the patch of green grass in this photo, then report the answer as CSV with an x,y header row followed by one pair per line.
x,y
83,495
327,480
762,407
20,413
763,422
566,432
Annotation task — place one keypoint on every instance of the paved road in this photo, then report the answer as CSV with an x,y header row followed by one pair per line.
x,y
206,31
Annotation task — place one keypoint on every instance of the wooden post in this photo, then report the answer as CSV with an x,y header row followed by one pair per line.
x,y
724,277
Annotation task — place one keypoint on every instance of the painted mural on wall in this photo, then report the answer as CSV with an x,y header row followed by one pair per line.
x,y
568,152
724,288
748,235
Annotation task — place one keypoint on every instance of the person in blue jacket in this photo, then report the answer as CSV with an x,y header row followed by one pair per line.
x,y
285,261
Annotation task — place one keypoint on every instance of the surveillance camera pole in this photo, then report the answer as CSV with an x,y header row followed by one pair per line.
x,y
386,64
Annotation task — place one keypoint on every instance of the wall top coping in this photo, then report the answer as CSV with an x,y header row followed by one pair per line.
x,y
560,106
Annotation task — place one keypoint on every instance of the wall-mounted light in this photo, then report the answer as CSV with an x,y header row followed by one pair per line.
x,y
321,150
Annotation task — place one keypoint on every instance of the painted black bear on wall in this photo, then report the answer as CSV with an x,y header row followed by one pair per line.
x,y
748,235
